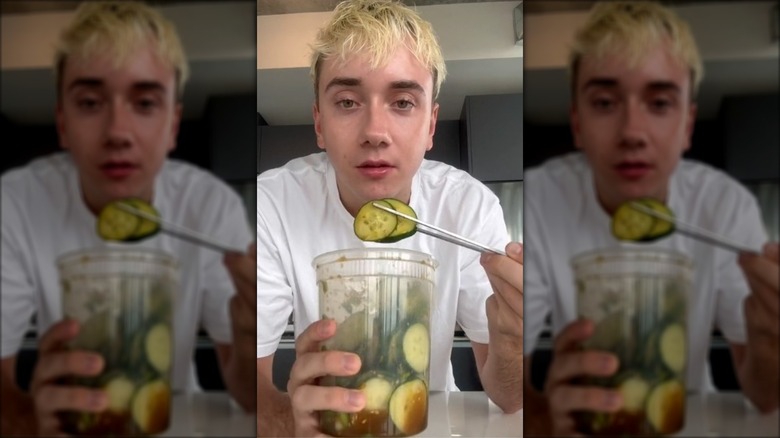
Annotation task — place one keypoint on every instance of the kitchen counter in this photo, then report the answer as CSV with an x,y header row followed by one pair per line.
x,y
726,414
466,414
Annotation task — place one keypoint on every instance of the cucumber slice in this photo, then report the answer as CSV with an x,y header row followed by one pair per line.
x,y
405,228
417,347
631,224
661,228
120,390
634,391
409,407
666,407
146,228
151,407
116,224
672,346
377,391
373,224
158,347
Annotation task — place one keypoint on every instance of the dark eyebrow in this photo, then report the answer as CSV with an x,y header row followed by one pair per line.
x,y
407,85
612,83
344,82
97,82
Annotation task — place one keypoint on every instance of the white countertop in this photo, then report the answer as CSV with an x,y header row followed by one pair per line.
x,y
471,414
465,414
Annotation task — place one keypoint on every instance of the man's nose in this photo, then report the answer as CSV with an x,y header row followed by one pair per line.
x,y
376,125
634,125
119,125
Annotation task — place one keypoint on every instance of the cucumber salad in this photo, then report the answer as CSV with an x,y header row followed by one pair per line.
x,y
389,330
133,335
644,325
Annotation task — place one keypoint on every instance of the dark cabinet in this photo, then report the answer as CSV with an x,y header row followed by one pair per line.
x,y
230,122
752,145
492,137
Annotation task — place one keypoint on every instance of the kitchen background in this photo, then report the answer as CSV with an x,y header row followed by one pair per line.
x,y
219,38
736,128
480,125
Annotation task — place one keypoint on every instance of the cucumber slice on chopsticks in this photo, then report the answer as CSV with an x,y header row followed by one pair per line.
x,y
376,225
634,225
116,224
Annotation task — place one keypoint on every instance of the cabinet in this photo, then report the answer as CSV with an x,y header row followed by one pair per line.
x,y
752,144
492,137
230,122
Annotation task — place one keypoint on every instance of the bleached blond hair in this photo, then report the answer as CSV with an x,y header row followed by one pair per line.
x,y
118,29
632,29
377,28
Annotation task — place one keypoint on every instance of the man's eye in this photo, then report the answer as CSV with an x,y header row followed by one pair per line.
x,y
87,103
602,103
660,104
404,104
346,103
146,104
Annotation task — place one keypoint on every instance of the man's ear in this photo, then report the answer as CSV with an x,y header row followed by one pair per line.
x,y
691,122
175,124
315,112
59,119
574,122
432,127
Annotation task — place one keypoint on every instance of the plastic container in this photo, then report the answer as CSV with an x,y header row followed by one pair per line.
x,y
123,299
637,299
381,299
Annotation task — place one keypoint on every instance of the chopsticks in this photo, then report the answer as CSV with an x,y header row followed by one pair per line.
x,y
179,231
694,231
442,234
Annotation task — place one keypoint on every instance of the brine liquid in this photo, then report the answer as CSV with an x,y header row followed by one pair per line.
x,y
127,320
642,320
386,321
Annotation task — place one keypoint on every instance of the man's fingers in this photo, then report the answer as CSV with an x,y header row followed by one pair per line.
x,y
310,398
57,335
759,270
315,333
572,336
567,398
507,295
52,398
515,251
53,366
568,365
309,366
771,251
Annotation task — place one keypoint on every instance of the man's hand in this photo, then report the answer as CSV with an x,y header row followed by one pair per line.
x,y
569,362
757,365
311,363
55,362
505,307
243,305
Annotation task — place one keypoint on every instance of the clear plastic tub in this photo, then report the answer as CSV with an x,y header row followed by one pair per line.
x,y
637,299
123,299
381,299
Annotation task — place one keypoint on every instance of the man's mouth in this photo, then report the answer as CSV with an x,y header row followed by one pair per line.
x,y
633,169
118,169
375,168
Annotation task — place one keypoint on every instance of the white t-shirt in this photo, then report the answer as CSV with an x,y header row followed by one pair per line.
x,y
44,216
563,218
300,216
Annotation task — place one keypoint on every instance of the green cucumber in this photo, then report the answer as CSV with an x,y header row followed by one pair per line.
x,y
377,391
666,407
672,347
631,224
117,224
157,346
151,407
405,228
634,390
373,224
417,347
120,391
409,407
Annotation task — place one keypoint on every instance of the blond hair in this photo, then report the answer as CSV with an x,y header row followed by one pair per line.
x,y
632,29
119,28
377,28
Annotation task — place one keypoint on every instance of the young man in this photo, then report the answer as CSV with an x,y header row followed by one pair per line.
x,y
635,70
377,69
120,75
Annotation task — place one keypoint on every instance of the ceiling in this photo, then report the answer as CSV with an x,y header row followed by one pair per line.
x,y
275,7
